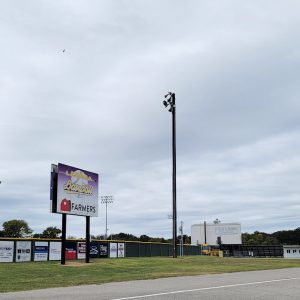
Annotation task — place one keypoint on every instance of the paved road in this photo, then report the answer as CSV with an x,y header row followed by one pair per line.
x,y
272,284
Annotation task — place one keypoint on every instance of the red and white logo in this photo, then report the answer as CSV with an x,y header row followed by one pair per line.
x,y
65,205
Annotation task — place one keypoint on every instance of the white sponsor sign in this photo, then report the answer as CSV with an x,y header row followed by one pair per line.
x,y
81,248
226,233
55,251
121,250
113,250
23,251
40,251
6,251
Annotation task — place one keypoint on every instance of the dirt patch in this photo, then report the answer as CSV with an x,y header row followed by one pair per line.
x,y
76,264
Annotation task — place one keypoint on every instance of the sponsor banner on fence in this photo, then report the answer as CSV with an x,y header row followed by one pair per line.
x,y
6,251
121,250
81,250
40,251
94,250
113,250
71,250
23,251
77,191
55,251
103,249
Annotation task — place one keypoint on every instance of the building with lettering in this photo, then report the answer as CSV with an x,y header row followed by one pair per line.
x,y
216,234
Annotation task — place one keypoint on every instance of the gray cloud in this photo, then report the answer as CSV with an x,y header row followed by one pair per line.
x,y
235,70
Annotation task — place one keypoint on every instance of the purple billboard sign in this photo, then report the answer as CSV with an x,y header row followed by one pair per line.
x,y
77,191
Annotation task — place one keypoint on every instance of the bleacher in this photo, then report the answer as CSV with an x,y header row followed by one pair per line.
x,y
253,251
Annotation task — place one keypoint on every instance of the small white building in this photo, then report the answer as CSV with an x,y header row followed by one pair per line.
x,y
216,233
291,251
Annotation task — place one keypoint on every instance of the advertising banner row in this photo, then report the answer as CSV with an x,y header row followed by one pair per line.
x,y
22,251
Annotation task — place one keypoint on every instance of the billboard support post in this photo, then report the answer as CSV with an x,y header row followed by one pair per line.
x,y
63,239
87,239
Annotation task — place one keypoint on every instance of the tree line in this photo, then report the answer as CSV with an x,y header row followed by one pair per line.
x,y
282,237
21,229
142,238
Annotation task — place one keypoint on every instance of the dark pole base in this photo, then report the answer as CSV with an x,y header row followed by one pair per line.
x,y
63,239
87,239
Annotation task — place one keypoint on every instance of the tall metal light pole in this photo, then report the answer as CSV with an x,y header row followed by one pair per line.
x,y
105,200
181,238
170,104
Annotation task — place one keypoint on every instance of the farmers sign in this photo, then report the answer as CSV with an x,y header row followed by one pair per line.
x,y
77,192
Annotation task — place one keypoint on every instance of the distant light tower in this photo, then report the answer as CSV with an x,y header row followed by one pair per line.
x,y
181,238
106,200
170,104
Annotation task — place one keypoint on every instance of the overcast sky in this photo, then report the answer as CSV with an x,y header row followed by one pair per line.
x,y
235,69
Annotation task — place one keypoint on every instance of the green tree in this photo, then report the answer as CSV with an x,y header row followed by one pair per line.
x,y
123,237
289,237
144,238
16,228
97,237
37,236
259,238
186,239
51,232
157,240
270,240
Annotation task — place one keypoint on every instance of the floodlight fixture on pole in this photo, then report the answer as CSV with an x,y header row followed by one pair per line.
x,y
169,103
106,200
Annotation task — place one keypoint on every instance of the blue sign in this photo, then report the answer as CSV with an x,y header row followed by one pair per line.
x,y
41,251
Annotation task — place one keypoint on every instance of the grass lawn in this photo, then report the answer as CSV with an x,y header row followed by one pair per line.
x,y
39,275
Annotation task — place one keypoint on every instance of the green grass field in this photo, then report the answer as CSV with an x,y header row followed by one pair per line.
x,y
39,275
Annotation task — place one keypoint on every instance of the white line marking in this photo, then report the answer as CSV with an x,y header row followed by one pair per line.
x,y
208,288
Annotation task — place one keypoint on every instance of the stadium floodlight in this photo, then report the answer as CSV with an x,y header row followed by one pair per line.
x,y
170,97
106,200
